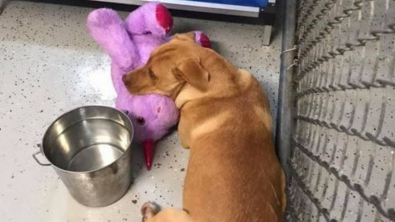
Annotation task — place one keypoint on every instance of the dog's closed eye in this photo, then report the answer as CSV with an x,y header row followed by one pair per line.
x,y
151,74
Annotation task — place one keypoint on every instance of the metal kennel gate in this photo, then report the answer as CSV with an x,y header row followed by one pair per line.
x,y
337,110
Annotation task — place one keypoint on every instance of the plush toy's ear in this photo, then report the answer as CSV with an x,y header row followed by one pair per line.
x,y
151,18
189,36
192,72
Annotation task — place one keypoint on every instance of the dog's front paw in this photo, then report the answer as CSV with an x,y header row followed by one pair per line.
x,y
148,210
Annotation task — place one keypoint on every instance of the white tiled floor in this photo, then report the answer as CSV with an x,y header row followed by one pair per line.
x,y
48,65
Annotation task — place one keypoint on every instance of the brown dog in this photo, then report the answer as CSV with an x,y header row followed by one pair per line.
x,y
233,172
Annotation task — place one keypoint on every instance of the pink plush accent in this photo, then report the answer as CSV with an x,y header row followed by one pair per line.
x,y
164,18
129,44
205,41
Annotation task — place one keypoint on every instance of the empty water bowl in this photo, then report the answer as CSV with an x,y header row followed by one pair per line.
x,y
89,148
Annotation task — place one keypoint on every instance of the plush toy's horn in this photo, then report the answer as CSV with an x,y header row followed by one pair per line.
x,y
149,149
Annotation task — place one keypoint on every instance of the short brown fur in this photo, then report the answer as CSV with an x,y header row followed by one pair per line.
x,y
233,173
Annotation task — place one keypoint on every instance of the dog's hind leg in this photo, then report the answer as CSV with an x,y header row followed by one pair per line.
x,y
151,213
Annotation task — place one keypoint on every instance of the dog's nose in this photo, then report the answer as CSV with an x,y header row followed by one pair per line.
x,y
124,78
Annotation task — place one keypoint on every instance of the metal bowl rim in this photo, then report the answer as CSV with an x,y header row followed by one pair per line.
x,y
82,107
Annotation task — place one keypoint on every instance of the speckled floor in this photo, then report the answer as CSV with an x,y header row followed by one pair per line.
x,y
48,65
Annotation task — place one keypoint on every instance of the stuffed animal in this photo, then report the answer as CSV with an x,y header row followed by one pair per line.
x,y
129,44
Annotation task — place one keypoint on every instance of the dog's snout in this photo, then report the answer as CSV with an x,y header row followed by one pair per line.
x,y
124,78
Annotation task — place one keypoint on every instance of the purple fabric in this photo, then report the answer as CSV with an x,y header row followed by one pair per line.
x,y
129,45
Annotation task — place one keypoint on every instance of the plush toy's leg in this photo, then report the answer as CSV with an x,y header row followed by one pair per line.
x,y
150,18
108,30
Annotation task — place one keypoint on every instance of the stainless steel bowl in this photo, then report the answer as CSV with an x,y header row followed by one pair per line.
x,y
89,148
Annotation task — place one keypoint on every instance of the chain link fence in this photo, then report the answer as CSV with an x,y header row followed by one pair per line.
x,y
343,162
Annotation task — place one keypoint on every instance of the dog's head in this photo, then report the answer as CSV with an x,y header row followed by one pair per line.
x,y
170,67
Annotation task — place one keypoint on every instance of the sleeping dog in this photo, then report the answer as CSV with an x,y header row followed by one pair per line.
x,y
233,173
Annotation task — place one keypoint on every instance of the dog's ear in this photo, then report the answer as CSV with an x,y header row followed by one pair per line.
x,y
188,36
192,72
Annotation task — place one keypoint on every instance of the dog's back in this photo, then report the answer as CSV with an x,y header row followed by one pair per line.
x,y
233,173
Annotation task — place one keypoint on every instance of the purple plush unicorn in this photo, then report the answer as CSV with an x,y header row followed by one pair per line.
x,y
129,44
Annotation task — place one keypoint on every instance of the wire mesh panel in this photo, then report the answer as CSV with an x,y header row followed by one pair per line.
x,y
343,161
